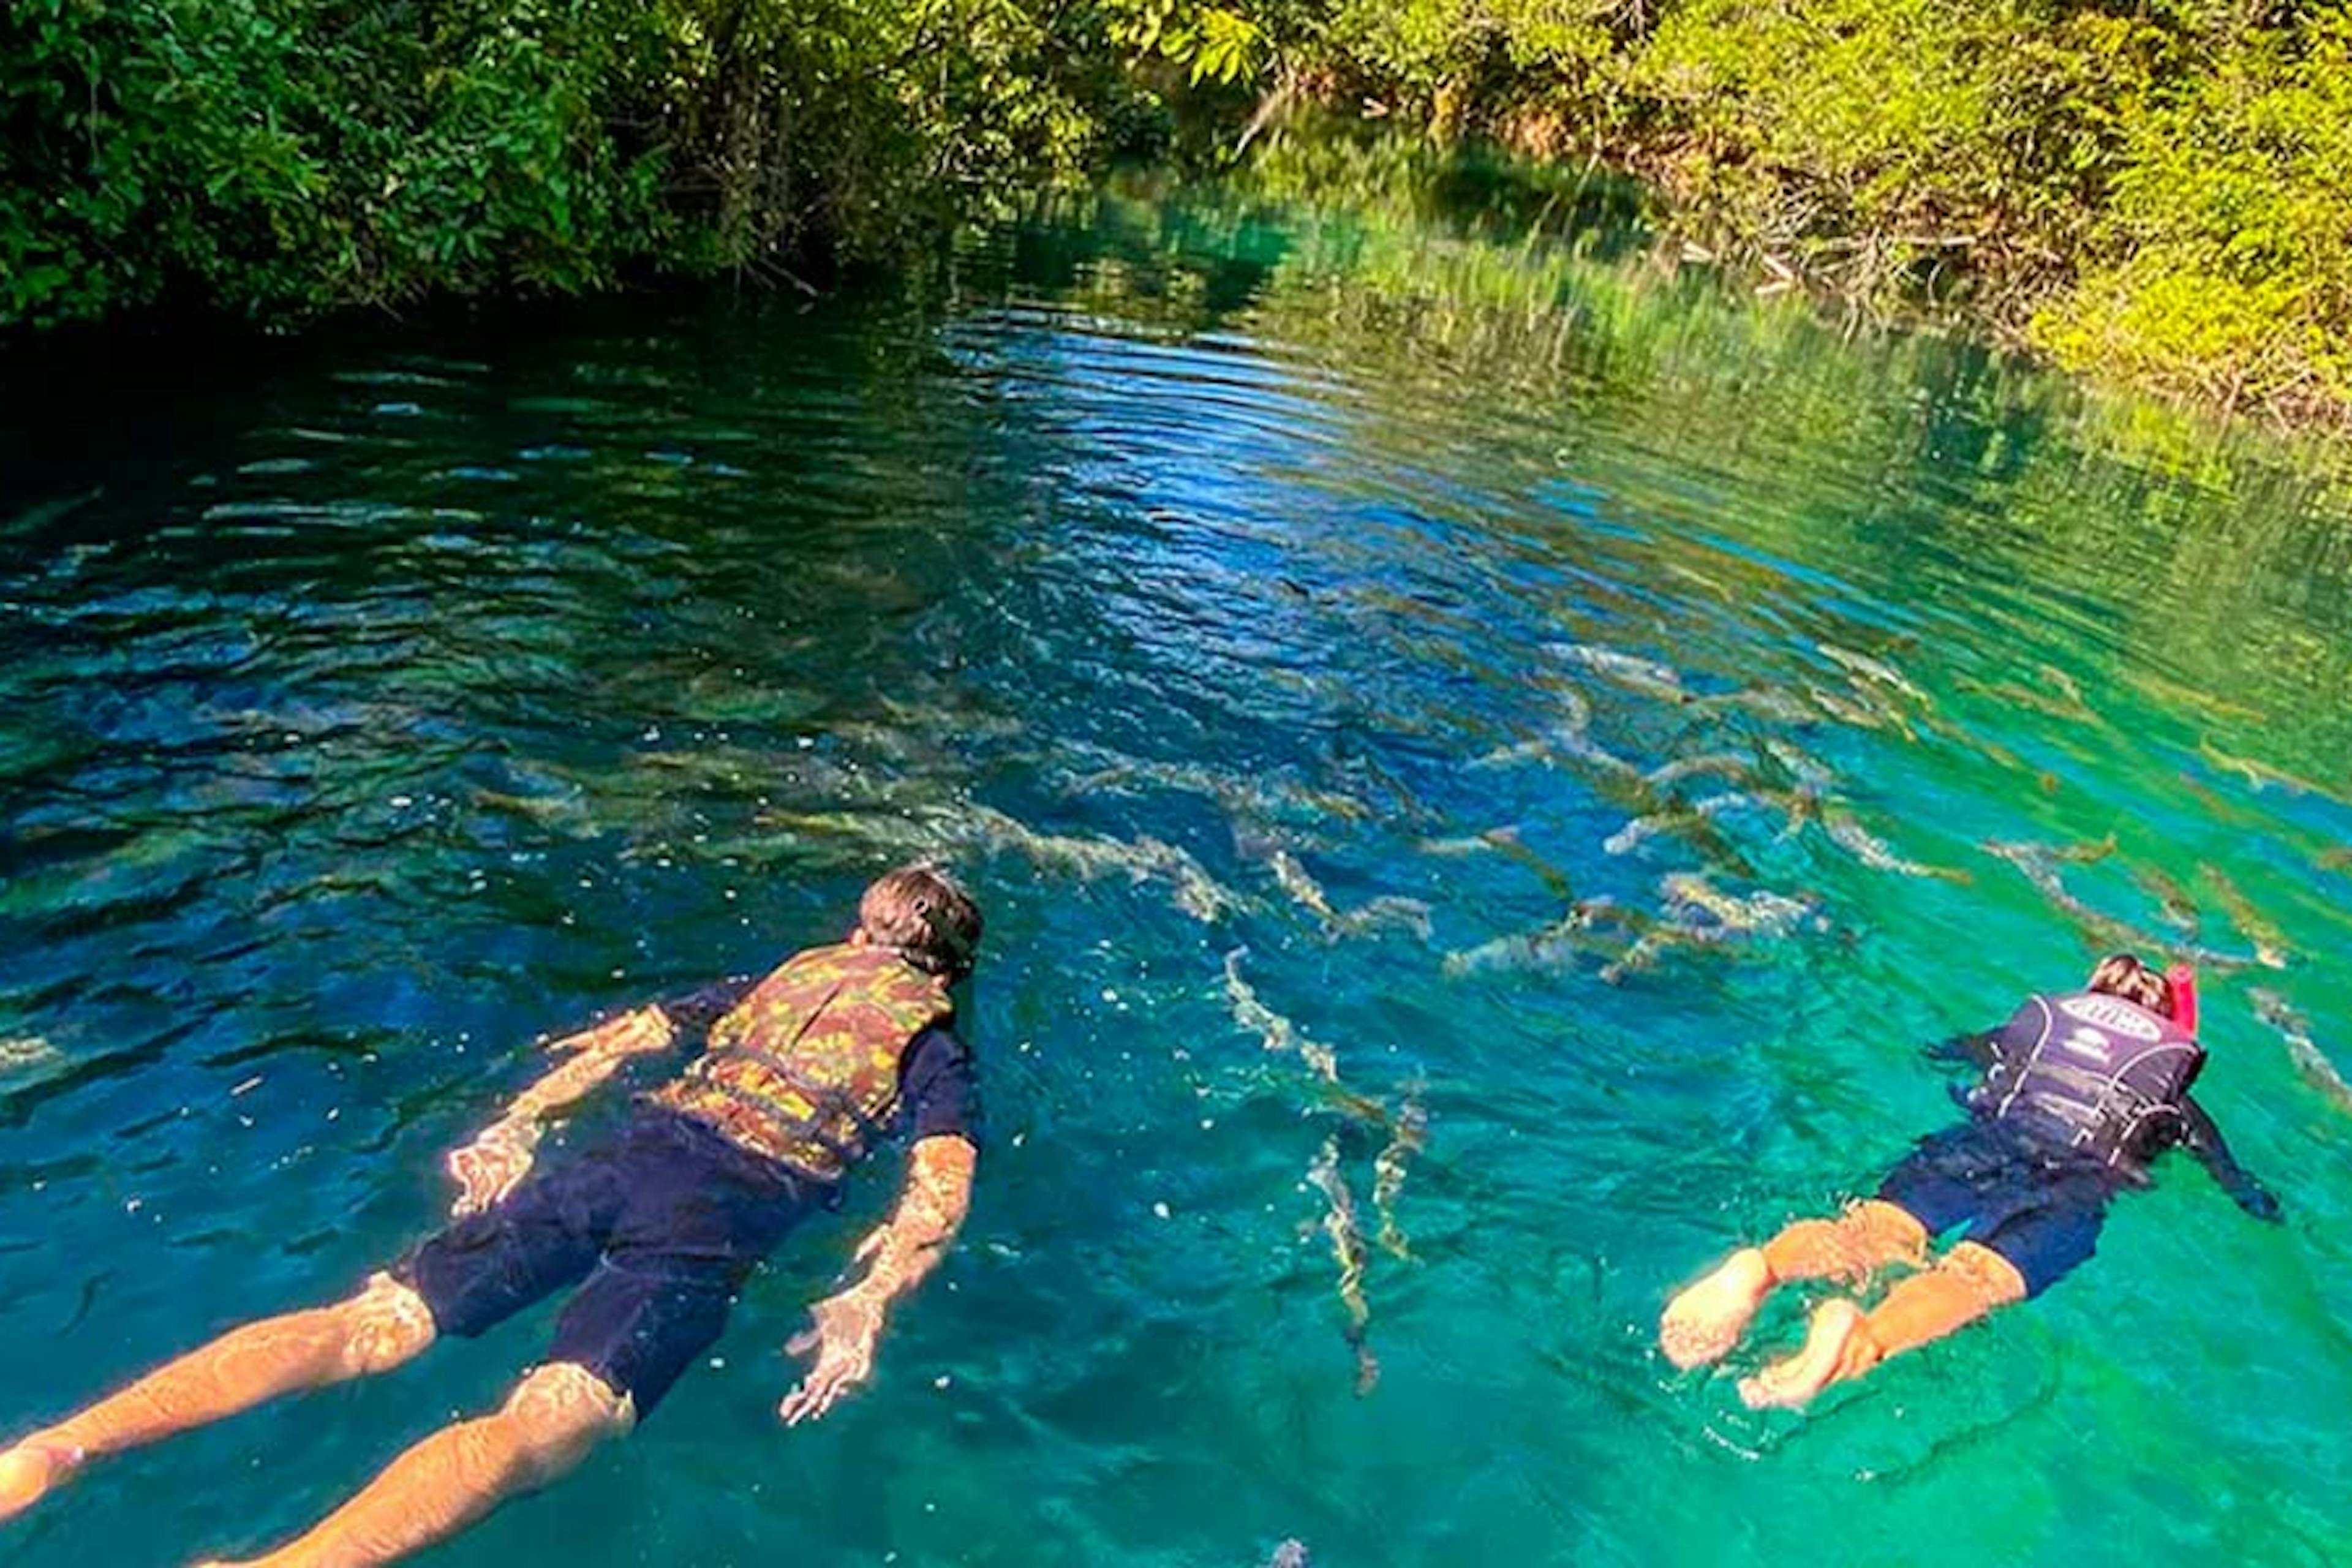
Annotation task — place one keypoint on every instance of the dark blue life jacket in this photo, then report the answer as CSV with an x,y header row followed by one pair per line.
x,y
2092,1073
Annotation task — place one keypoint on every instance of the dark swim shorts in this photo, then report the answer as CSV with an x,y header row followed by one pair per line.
x,y
663,1223
2039,1208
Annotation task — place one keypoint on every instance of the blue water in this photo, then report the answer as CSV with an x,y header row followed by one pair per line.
x,y
1279,606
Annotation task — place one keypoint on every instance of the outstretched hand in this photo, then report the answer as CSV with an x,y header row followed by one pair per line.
x,y
843,1330
492,1165
637,1032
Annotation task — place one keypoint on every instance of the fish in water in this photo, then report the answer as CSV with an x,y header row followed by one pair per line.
x,y
1303,889
1278,1033
1348,1251
932,829
1506,842
2061,680
26,1054
2259,774
2270,949
1281,1037
2100,930
2309,1061
1643,677
1569,742
1289,1554
1196,893
1700,915
1846,831
1774,704
1873,712
1252,796
1729,765
1993,752
1389,909
1655,812
1676,819
2067,705
1407,1136
1868,668
2211,804
1757,914
572,812
1554,946
2188,698
2179,909
2088,853
1805,771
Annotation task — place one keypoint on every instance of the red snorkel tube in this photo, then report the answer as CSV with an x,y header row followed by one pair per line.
x,y
2182,978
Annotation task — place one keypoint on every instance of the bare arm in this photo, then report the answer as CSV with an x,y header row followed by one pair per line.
x,y
592,1057
898,1255
500,1155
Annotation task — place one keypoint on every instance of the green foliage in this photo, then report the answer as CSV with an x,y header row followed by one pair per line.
x,y
2224,265
2157,189
282,155
1249,44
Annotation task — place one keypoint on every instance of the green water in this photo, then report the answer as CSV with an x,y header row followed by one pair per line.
x,y
1327,571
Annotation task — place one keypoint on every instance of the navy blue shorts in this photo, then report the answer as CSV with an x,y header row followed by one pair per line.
x,y
2038,1208
662,1224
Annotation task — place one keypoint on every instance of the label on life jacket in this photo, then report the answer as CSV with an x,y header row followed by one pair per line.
x,y
805,1069
2093,1072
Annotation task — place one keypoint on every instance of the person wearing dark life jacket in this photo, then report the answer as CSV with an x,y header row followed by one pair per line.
x,y
796,1078
2075,1095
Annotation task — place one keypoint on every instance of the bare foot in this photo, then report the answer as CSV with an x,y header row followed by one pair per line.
x,y
30,1470
1705,1322
1827,1356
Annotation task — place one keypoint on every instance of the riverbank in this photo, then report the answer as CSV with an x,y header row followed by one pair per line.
x,y
2155,199
280,159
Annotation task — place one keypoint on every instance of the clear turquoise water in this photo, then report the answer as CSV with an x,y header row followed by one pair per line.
x,y
370,707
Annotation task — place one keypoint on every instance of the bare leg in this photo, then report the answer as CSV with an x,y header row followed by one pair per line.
x,y
1842,1343
460,1473
383,1326
1706,1320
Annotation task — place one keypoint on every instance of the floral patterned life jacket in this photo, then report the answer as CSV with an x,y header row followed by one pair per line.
x,y
805,1069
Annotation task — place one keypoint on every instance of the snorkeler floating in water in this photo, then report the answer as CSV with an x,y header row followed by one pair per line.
x,y
2077,1094
797,1077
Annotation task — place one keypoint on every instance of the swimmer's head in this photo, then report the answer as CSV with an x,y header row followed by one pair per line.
x,y
919,912
2122,975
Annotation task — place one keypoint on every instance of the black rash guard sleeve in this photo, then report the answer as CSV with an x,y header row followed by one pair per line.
x,y
1978,1051
2202,1139
939,1088
693,1013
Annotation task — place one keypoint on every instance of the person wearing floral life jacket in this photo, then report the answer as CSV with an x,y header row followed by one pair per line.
x,y
2074,1097
797,1077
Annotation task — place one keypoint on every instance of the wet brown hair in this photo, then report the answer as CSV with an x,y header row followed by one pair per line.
x,y
920,911
2123,974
